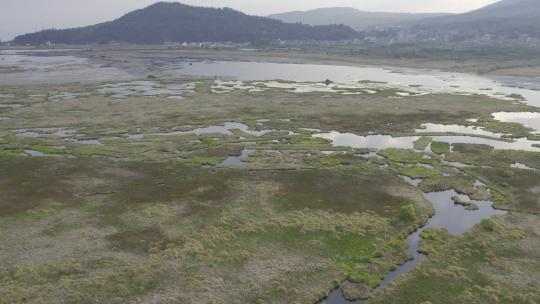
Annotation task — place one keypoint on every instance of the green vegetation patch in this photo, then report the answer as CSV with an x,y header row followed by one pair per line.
x,y
488,225
404,156
407,213
29,183
47,149
138,240
74,282
419,172
433,240
510,129
460,182
485,265
342,190
10,153
422,143
171,228
516,189
440,147
164,221
356,291
481,155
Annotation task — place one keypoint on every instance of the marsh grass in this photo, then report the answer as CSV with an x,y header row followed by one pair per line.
x,y
440,147
156,226
512,130
420,172
473,268
422,143
404,156
407,213
165,223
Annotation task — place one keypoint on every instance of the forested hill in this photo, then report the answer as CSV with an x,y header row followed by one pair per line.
x,y
507,19
358,20
175,22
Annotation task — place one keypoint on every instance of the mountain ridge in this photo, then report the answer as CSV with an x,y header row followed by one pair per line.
x,y
357,19
506,19
175,22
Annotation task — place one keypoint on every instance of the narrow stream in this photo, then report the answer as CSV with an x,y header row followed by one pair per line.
x,y
455,218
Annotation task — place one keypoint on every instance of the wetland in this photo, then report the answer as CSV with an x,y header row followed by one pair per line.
x,y
145,176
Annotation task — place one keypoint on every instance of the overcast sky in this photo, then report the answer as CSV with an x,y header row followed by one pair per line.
x,y
22,16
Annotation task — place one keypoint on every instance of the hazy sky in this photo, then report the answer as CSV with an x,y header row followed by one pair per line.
x,y
22,16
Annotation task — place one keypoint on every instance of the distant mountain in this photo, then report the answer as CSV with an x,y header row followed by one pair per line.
x,y
358,20
504,20
175,22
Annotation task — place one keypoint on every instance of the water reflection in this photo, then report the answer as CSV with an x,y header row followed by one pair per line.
x,y
50,67
522,167
239,161
44,66
35,153
457,129
407,142
528,119
455,218
418,80
411,181
225,129
145,88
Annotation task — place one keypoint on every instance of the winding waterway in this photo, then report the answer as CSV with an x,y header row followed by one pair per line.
x,y
446,216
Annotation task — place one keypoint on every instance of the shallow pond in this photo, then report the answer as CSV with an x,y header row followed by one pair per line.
x,y
225,129
89,142
407,142
417,80
522,167
447,213
528,119
237,161
146,88
45,132
35,153
52,67
456,129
